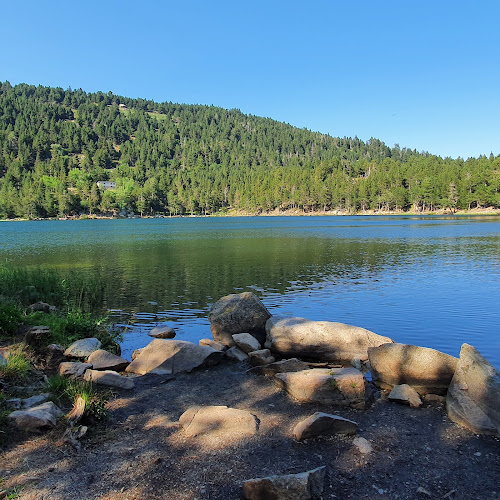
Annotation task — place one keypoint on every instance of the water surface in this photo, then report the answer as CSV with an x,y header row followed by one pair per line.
x,y
430,281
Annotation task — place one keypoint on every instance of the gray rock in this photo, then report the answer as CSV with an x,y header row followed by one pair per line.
x,y
3,360
356,363
218,421
339,386
405,394
34,401
261,357
42,306
319,340
426,370
302,486
473,398
236,353
104,360
246,342
164,357
363,445
162,332
44,415
13,404
283,366
238,313
214,344
83,348
73,369
323,424
108,378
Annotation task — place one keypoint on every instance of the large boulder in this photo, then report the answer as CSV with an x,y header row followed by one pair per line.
x,y
303,486
323,424
336,386
238,313
104,360
473,398
426,370
319,340
83,348
220,422
164,357
108,378
44,415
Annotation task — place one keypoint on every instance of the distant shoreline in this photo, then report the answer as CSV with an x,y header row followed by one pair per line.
x,y
278,213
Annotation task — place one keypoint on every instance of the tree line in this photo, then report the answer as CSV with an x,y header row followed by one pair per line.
x,y
168,158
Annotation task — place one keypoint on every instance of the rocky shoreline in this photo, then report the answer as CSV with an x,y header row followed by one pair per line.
x,y
299,389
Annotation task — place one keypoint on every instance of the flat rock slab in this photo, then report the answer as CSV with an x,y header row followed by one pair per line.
x,y
73,369
219,423
282,366
323,424
405,394
104,360
108,378
238,313
164,357
162,332
336,386
319,340
246,342
44,415
426,370
302,486
473,398
83,348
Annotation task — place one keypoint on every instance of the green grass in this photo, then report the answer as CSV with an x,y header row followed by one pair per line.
x,y
18,366
66,390
72,290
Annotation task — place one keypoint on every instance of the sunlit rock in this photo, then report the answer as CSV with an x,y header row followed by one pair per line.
x,y
473,398
319,340
426,370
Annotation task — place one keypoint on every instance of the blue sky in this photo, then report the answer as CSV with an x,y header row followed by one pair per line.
x,y
424,75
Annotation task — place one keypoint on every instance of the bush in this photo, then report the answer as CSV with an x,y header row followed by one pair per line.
x,y
10,318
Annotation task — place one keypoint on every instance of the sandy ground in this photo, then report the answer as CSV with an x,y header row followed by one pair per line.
x,y
140,452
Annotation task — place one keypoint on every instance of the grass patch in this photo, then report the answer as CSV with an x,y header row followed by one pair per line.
x,y
68,391
18,365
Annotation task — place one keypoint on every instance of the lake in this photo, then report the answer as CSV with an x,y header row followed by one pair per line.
x,y
431,281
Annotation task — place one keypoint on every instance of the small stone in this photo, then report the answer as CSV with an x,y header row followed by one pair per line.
x,y
214,344
363,445
423,491
236,353
109,378
44,415
405,394
356,363
34,401
246,342
302,486
83,348
162,332
477,454
136,353
261,357
104,360
73,369
14,403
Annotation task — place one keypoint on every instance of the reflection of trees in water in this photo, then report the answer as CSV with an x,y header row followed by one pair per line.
x,y
199,271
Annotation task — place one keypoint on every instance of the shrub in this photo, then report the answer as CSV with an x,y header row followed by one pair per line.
x,y
10,318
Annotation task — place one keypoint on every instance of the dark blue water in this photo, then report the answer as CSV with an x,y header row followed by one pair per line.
x,y
430,281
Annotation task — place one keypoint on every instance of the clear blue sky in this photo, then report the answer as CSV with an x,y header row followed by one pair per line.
x,y
423,74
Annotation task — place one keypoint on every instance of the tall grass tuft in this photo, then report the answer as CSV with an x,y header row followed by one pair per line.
x,y
18,365
72,290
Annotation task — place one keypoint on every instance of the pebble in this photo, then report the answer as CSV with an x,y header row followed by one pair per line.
x,y
477,454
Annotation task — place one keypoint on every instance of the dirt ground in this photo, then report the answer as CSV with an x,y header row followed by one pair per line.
x,y
141,453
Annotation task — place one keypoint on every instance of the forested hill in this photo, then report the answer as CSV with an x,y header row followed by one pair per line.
x,y
56,145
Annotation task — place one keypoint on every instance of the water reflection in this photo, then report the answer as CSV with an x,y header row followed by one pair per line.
x,y
429,281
